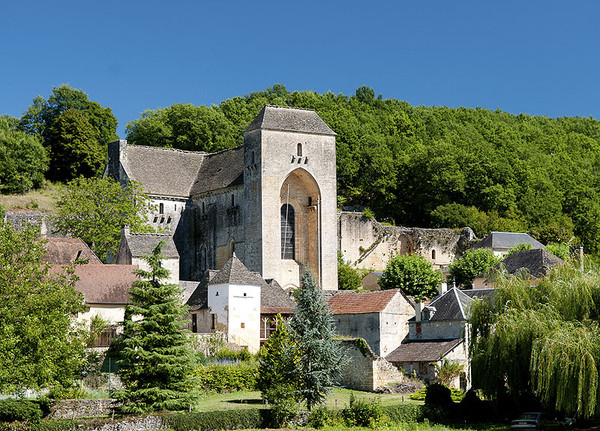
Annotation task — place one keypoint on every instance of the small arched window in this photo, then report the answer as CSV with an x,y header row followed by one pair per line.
x,y
288,233
432,254
161,208
232,200
299,150
203,265
231,247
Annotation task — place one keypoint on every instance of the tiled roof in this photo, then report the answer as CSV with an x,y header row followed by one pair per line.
x,y
423,351
104,284
220,170
63,251
289,119
142,244
507,240
235,272
164,171
534,262
187,289
361,303
19,219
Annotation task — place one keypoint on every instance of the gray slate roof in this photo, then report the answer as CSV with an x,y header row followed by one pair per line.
x,y
142,244
235,272
220,170
451,306
274,299
289,119
164,171
536,263
485,294
423,351
507,240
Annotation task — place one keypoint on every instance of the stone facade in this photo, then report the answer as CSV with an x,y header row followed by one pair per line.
x,y
367,244
365,371
272,200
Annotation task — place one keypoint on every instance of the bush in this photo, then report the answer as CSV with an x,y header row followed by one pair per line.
x,y
224,378
284,407
362,413
12,410
403,413
234,355
321,417
216,420
438,395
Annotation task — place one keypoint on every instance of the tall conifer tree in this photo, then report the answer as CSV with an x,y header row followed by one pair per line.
x,y
319,355
156,358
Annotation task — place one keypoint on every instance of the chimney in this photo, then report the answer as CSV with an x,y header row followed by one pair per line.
x,y
419,311
443,287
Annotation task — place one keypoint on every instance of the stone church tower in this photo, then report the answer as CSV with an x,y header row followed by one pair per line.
x,y
272,200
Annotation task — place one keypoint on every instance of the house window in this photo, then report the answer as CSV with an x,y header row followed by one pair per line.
x,y
105,337
299,150
213,321
161,208
432,254
310,201
243,325
287,231
194,323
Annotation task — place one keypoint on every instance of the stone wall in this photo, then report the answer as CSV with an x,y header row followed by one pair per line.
x,y
367,244
71,409
365,371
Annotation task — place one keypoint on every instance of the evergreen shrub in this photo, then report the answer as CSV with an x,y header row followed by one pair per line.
x,y
362,413
218,420
225,378
12,410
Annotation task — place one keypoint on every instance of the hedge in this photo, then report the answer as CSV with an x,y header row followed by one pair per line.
x,y
224,378
216,420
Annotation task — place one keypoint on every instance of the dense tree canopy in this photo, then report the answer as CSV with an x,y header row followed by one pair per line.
x,y
74,130
96,209
413,274
23,160
40,344
541,342
427,166
471,264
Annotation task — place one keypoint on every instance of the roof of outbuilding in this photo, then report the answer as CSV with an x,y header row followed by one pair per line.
x,y
536,263
164,171
18,219
289,119
423,351
63,251
220,170
362,303
507,240
450,306
104,284
142,244
235,272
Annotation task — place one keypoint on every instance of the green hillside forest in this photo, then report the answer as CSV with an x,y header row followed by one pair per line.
x,y
407,165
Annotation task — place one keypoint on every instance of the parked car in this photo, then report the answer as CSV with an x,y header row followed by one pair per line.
x,y
536,421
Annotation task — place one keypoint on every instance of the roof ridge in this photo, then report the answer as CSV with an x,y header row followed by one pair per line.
x,y
290,107
200,152
225,150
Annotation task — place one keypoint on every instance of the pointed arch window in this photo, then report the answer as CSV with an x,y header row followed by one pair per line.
x,y
288,234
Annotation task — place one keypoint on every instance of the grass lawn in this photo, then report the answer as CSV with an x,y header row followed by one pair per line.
x,y
246,399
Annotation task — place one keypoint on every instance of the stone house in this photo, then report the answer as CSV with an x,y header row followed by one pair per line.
x,y
533,264
439,332
501,242
134,246
272,200
380,318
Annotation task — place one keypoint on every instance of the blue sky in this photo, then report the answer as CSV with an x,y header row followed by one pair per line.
x,y
536,57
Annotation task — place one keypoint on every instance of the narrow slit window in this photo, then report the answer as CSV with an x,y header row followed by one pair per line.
x,y
161,208
299,150
432,254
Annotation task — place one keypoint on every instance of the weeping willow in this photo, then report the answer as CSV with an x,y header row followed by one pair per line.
x,y
541,341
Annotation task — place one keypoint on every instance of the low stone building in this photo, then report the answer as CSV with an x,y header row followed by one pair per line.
x,y
439,332
65,251
501,242
380,318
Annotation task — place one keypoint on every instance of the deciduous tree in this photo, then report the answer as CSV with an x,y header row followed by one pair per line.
x,y
471,264
95,210
40,343
413,274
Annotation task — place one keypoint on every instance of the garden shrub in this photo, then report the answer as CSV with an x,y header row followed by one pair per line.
x,y
227,377
234,355
283,406
362,413
438,395
321,417
217,420
12,410
403,413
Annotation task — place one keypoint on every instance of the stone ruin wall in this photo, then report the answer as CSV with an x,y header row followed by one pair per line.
x,y
367,244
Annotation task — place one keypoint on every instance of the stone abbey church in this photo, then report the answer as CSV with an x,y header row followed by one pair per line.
x,y
272,200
